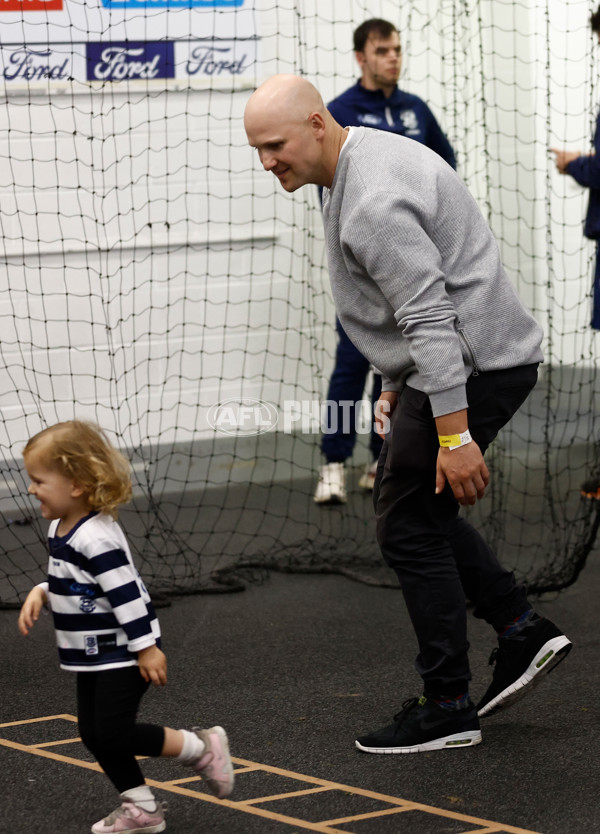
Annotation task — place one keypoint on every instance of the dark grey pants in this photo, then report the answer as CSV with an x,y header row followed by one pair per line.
x,y
440,559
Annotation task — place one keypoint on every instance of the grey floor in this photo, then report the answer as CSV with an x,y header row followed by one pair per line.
x,y
294,668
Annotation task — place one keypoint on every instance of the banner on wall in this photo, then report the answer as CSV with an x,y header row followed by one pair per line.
x,y
48,42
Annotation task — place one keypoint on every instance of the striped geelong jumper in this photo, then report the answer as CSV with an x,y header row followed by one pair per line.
x,y
102,612
416,273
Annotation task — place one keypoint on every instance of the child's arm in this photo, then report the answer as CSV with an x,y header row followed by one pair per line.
x,y
30,610
153,665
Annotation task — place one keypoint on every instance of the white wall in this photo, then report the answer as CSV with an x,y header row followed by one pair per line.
x,y
152,268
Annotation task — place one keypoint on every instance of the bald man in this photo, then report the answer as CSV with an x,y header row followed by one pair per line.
x,y
420,290
292,130
375,100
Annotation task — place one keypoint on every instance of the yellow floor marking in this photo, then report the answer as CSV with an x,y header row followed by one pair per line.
x,y
46,754
183,781
55,743
494,829
406,804
283,796
199,779
249,806
64,716
368,816
250,809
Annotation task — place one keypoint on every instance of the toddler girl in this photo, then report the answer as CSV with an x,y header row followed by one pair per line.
x,y
106,628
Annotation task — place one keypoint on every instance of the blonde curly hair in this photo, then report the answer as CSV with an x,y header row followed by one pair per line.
x,y
81,451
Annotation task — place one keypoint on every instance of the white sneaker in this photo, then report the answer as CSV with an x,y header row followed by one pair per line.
x,y
331,488
367,479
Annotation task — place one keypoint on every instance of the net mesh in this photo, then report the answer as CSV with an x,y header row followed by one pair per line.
x,y
157,281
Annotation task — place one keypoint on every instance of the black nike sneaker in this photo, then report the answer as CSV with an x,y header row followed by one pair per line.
x,y
521,662
423,725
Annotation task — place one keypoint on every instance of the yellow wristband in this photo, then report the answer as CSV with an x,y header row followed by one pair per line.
x,y
447,440
454,441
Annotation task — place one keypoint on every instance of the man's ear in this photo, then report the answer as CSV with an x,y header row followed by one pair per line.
x,y
317,124
360,58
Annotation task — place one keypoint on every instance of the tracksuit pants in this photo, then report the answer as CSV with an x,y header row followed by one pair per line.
x,y
347,385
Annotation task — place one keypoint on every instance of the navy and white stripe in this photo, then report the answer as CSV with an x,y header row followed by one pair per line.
x,y
102,612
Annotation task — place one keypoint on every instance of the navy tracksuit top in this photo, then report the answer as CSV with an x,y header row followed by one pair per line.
x,y
402,113
586,171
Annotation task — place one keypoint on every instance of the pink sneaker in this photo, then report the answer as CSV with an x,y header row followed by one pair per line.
x,y
131,818
214,765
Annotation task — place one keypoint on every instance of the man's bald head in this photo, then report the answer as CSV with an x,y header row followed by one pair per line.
x,y
294,133
287,97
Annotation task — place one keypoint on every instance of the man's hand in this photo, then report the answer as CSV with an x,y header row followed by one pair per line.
x,y
562,158
30,610
465,470
153,665
383,411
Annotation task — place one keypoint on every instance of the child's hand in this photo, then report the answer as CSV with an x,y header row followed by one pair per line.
x,y
30,610
153,665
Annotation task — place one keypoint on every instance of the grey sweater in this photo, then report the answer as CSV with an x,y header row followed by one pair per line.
x,y
416,273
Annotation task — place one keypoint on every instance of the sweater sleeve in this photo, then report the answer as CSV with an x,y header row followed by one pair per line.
x,y
585,170
388,385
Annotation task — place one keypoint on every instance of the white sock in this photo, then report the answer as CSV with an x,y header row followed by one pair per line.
x,y
192,748
142,796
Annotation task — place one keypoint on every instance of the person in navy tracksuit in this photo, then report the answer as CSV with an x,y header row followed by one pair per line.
x,y
374,101
585,169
